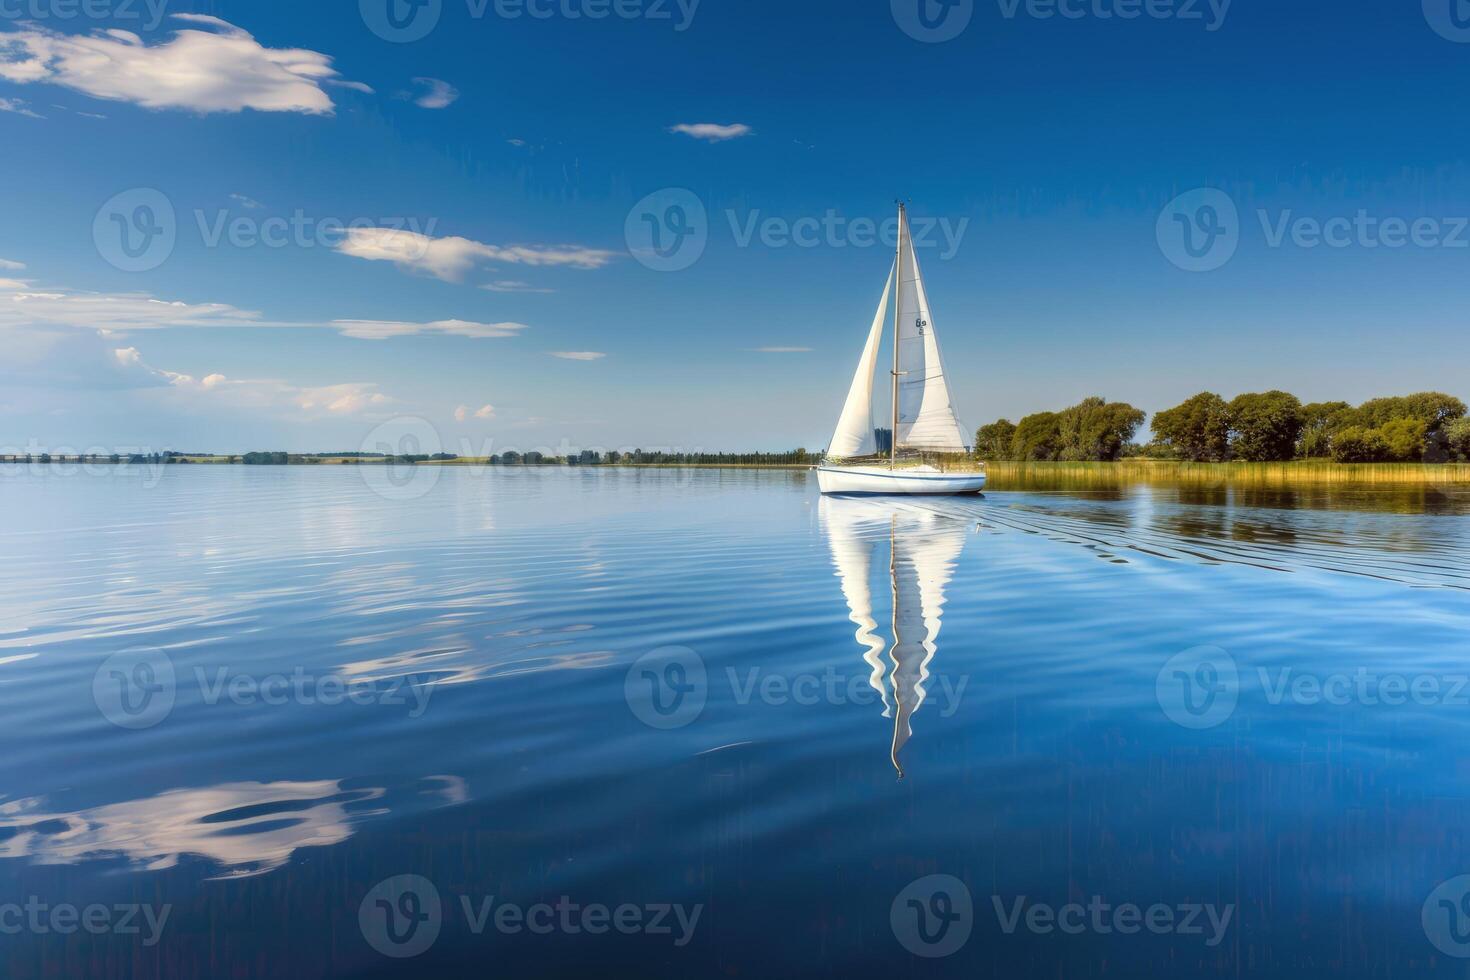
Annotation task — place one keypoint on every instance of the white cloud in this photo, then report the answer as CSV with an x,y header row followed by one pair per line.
x,y
246,202
268,395
11,265
58,358
24,305
437,94
384,329
516,142
513,286
220,69
780,350
578,355
18,106
450,259
464,412
712,132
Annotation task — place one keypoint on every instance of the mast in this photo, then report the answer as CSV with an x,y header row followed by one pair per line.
x,y
897,307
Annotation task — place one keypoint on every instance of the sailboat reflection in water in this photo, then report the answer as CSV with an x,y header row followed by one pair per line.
x,y
923,547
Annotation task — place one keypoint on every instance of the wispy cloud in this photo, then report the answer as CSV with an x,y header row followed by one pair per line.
x,y
385,329
578,355
451,259
779,350
11,265
712,132
437,94
56,358
22,304
464,413
18,106
220,68
246,202
513,286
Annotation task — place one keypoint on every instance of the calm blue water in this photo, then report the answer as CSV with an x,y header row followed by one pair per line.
x,y
722,727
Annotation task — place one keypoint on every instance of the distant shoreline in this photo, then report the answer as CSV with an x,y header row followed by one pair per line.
x,y
1003,473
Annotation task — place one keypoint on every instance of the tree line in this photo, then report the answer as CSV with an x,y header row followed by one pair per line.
x,y
1258,427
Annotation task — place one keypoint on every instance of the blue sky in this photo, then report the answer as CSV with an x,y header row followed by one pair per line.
x,y
508,151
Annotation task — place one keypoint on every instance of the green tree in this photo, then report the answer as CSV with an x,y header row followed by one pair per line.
x,y
1404,439
1097,429
1434,408
1320,420
1265,426
1198,430
1457,438
1358,445
1038,437
994,441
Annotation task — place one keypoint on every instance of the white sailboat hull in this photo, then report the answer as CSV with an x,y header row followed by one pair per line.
x,y
881,480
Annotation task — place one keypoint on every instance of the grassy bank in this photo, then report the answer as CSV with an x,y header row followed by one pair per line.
x,y
1018,475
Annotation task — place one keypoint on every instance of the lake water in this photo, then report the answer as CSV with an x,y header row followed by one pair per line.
x,y
547,722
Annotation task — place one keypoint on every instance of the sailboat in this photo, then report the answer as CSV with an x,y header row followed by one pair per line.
x,y
924,427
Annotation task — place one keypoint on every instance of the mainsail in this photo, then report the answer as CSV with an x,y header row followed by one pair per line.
x,y
926,418
854,435
925,409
